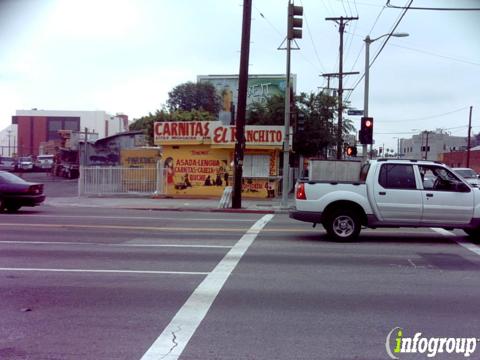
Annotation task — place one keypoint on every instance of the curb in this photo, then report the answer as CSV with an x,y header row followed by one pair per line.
x,y
228,210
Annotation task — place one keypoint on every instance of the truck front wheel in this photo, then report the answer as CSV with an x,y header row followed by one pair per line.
x,y
343,225
475,233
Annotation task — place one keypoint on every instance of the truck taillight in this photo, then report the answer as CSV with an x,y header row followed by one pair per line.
x,y
300,193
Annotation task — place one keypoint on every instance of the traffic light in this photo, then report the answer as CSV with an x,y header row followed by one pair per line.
x,y
366,131
300,121
351,151
295,22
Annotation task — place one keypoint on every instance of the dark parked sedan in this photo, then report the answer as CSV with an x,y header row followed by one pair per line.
x,y
16,192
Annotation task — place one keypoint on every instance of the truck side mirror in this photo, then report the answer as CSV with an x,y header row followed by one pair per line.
x,y
461,187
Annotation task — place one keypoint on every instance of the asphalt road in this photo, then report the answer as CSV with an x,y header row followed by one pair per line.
x,y
91,283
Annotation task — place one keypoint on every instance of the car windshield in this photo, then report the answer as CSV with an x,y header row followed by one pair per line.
x,y
25,159
6,177
466,173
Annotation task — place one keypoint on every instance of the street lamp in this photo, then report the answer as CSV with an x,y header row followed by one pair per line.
x,y
368,41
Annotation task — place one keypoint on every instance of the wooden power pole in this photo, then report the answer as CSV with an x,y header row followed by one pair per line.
x,y
341,21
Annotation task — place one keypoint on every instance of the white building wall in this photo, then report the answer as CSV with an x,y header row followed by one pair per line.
x,y
117,124
438,143
95,121
8,136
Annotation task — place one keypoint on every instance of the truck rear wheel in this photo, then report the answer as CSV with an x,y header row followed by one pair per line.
x,y
343,225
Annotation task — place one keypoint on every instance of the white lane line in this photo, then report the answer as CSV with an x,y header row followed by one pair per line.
x,y
108,271
469,246
443,232
113,245
175,337
472,247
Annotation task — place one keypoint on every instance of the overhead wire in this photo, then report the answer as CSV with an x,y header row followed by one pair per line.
x,y
390,35
430,116
382,47
430,8
363,43
431,53
437,55
282,34
313,43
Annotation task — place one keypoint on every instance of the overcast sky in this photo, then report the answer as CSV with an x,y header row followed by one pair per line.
x,y
126,55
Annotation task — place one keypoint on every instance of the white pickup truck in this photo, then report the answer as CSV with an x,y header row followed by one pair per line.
x,y
390,193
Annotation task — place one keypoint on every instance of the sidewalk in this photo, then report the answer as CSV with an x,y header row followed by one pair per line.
x,y
259,206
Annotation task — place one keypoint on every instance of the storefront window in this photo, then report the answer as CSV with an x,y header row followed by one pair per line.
x,y
256,166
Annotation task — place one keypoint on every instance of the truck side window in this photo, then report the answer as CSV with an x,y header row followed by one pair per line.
x,y
438,178
397,176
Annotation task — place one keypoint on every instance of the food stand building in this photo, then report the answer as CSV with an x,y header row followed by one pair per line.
x,y
198,158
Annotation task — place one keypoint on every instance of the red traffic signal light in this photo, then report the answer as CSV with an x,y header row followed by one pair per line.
x,y
351,150
366,131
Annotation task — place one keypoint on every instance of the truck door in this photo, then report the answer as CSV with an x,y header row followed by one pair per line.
x,y
446,200
396,195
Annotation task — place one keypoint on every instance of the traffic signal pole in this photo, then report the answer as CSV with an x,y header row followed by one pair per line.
x,y
365,97
294,31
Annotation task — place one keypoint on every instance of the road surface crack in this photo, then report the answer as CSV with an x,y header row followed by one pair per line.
x,y
174,341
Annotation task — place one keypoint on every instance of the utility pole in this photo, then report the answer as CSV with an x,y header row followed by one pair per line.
x,y
341,21
426,146
242,106
9,132
469,136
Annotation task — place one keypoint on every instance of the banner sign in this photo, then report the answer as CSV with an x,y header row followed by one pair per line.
x,y
215,133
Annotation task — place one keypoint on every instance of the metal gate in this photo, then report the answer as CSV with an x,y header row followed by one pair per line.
x,y
110,180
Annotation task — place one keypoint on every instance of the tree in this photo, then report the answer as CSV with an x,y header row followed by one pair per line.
x,y
318,110
271,112
194,96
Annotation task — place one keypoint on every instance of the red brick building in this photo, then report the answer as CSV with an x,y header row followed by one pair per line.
x,y
459,159
34,130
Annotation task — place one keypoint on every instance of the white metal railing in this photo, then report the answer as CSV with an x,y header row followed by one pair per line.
x,y
108,180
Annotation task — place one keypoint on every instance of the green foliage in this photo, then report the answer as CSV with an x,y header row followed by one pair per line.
x,y
271,112
320,129
194,96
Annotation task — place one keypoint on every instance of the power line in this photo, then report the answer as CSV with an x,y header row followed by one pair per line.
x,y
356,9
350,8
363,44
366,4
430,116
431,53
382,47
281,34
313,43
437,55
390,34
430,8
265,18
345,9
